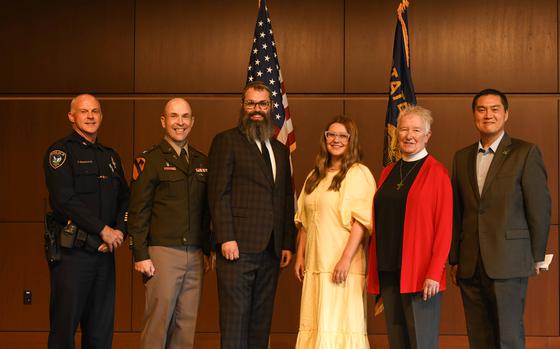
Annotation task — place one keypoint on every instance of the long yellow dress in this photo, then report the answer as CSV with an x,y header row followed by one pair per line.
x,y
334,316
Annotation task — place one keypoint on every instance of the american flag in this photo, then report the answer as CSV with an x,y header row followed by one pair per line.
x,y
264,66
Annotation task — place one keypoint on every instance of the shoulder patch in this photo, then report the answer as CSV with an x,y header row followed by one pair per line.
x,y
57,158
138,167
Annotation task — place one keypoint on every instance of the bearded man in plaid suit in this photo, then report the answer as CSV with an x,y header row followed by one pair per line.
x,y
252,207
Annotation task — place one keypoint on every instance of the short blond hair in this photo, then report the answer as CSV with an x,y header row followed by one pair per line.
x,y
423,113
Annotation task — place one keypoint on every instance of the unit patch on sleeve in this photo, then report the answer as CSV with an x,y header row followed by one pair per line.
x,y
138,167
57,158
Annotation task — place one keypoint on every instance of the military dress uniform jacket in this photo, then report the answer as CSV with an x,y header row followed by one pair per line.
x,y
169,205
86,184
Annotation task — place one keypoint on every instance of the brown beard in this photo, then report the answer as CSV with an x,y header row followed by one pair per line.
x,y
256,130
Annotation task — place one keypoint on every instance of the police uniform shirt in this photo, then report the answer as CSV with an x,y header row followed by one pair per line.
x,y
86,184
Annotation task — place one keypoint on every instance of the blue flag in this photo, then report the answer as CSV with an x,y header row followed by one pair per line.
x,y
401,89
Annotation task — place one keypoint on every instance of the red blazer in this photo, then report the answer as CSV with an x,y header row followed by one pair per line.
x,y
427,233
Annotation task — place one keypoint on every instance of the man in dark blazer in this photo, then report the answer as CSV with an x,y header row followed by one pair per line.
x,y
252,208
501,222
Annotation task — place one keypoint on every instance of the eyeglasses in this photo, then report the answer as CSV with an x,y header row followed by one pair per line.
x,y
342,136
253,104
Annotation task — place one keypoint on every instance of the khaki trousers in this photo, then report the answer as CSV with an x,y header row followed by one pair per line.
x,y
172,297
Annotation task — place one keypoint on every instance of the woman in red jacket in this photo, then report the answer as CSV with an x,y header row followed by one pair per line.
x,y
411,237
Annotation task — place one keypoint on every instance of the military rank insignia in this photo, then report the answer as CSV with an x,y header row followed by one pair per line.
x,y
138,167
57,158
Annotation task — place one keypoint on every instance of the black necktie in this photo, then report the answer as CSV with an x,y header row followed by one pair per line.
x,y
266,157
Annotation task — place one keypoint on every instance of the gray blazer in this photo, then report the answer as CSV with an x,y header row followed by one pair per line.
x,y
509,222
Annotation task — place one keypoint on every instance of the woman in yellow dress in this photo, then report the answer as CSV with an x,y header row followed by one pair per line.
x,y
334,219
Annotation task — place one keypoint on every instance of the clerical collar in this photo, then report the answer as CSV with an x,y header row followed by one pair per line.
x,y
415,157
493,146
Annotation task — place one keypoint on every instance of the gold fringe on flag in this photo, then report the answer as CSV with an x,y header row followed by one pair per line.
x,y
402,7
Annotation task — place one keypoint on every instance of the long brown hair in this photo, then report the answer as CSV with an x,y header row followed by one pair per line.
x,y
352,155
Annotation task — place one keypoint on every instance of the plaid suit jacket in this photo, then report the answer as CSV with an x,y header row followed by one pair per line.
x,y
247,205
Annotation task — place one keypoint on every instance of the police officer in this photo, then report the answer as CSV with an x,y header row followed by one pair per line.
x,y
169,222
89,197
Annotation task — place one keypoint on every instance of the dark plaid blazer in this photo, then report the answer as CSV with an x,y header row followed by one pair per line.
x,y
247,205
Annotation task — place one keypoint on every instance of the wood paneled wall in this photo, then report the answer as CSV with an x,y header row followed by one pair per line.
x,y
335,57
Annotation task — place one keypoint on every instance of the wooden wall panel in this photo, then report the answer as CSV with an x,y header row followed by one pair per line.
x,y
310,37
29,128
208,314
137,310
541,306
468,46
369,114
452,320
192,46
209,51
123,299
285,318
454,48
66,46
23,266
370,28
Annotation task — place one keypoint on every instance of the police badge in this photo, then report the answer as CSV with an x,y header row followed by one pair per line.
x,y
57,158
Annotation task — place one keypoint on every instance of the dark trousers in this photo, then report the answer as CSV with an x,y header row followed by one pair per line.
x,y
412,323
246,290
82,292
494,310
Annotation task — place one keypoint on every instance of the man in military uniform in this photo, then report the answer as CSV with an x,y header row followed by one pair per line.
x,y
89,196
170,227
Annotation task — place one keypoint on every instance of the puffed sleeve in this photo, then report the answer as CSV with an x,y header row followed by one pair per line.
x,y
300,217
356,197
